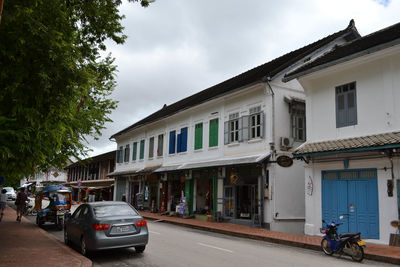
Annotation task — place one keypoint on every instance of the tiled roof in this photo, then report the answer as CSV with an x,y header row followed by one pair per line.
x,y
254,75
356,47
370,141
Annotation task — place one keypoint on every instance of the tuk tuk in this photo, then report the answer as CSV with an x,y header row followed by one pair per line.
x,y
59,205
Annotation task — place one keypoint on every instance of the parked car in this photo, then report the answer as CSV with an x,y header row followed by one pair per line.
x,y
10,193
106,225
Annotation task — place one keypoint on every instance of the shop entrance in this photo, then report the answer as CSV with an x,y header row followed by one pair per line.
x,y
240,202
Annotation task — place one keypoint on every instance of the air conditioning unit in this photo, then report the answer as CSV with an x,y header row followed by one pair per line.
x,y
286,142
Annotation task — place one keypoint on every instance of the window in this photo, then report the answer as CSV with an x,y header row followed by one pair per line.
x,y
198,136
141,156
160,145
346,105
256,122
213,138
151,147
134,154
182,140
119,154
172,142
234,127
298,120
126,153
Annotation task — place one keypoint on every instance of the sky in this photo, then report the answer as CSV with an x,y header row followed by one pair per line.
x,y
176,48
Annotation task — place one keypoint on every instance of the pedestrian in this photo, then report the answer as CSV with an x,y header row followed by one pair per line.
x,y
20,202
3,201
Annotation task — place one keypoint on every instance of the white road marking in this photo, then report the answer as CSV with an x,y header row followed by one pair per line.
x,y
209,246
157,233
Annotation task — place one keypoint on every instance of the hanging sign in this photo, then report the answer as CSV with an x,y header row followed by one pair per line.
x,y
284,161
234,178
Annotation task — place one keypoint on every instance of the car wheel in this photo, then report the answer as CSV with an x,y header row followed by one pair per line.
x,y
140,249
39,221
66,238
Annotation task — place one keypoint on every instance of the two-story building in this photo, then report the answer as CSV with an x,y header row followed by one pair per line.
x,y
226,151
89,177
352,153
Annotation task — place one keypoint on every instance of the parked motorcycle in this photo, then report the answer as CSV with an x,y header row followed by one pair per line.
x,y
349,243
29,208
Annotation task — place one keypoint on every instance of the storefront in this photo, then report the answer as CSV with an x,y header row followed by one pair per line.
x,y
204,191
241,194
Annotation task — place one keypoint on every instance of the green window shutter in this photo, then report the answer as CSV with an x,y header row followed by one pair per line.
x,y
141,156
213,141
134,155
198,136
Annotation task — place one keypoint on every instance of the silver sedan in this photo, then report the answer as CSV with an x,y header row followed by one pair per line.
x,y
106,225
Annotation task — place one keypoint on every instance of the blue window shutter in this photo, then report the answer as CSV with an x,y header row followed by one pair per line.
x,y
184,135
179,143
172,142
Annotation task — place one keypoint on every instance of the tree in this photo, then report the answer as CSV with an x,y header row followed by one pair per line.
x,y
54,85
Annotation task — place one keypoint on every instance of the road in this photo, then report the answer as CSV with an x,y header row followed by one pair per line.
x,y
172,245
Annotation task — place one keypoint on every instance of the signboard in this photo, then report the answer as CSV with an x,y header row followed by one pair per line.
x,y
284,161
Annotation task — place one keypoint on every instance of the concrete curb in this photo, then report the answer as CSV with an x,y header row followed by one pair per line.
x,y
369,256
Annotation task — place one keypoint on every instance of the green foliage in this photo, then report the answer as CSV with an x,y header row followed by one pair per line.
x,y
54,86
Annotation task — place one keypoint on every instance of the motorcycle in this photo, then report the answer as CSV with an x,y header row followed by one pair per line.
x,y
29,208
349,243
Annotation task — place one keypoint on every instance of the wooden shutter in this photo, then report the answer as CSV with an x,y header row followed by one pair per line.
x,y
172,142
179,143
134,154
184,134
160,145
262,123
245,128
198,136
226,132
213,133
141,156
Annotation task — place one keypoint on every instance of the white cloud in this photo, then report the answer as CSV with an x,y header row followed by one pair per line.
x,y
177,48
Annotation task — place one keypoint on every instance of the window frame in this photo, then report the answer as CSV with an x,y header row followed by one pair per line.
x,y
160,145
134,151
151,147
256,130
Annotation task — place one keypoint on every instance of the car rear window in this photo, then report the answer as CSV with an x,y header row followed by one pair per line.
x,y
113,210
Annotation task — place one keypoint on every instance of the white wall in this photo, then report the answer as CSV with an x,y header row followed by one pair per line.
x,y
220,108
387,205
377,78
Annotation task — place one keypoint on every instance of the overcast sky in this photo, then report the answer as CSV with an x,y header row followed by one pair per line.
x,y
176,48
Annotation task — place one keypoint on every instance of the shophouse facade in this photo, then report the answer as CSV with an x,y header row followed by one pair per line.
x,y
89,178
352,153
218,150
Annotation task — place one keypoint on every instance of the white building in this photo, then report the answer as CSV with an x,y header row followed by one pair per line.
x,y
219,148
353,135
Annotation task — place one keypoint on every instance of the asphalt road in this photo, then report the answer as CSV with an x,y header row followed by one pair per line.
x,y
171,245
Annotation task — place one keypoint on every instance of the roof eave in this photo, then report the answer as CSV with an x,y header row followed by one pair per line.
x,y
360,149
342,60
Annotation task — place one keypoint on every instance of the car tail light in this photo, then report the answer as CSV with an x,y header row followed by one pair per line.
x,y
141,223
100,226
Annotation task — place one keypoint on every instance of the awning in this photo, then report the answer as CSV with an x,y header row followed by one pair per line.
x,y
88,183
354,144
226,162
120,173
168,168
148,170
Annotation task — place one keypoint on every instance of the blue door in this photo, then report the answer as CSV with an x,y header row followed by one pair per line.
x,y
353,194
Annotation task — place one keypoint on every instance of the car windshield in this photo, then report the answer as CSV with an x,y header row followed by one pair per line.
x,y
113,210
9,189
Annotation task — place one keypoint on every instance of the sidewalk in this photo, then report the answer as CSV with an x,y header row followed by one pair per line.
x,y
375,252
25,244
